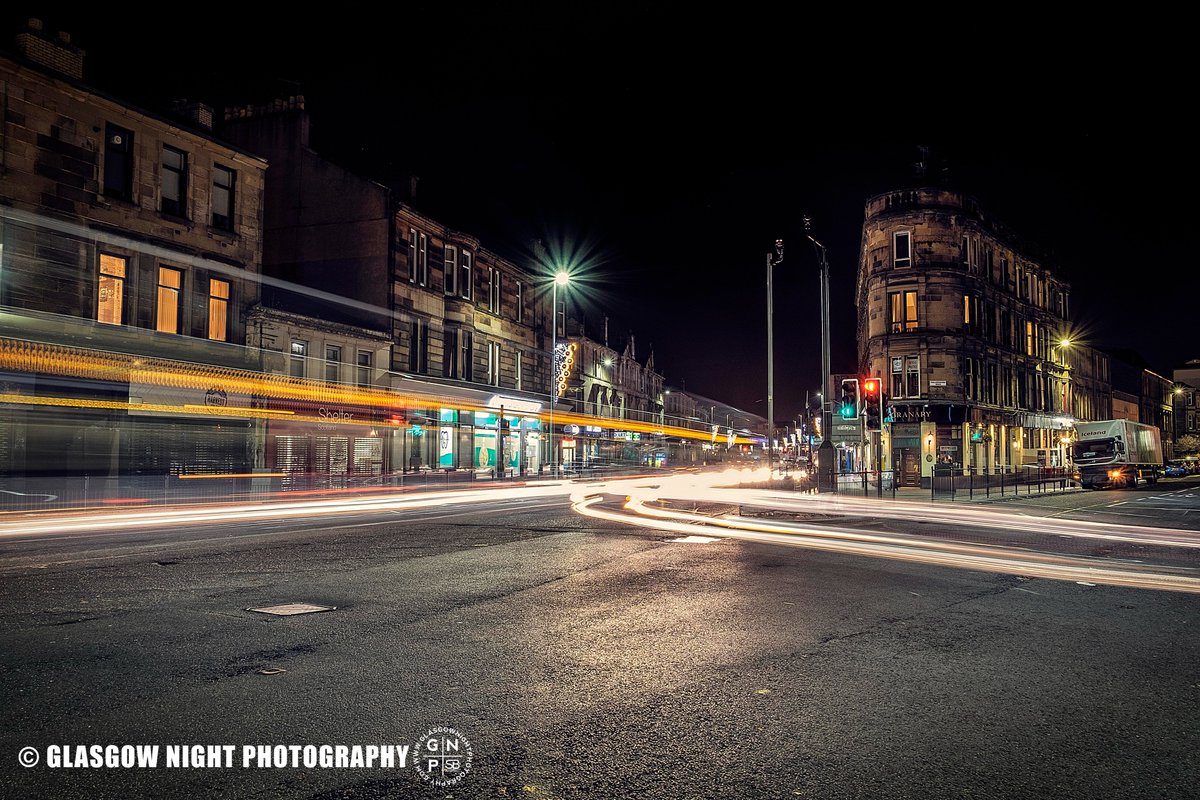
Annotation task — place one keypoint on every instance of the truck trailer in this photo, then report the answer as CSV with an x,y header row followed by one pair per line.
x,y
1116,453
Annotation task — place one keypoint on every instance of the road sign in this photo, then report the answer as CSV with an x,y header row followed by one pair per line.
x,y
846,430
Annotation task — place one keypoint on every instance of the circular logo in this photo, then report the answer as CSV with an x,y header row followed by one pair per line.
x,y
28,757
443,756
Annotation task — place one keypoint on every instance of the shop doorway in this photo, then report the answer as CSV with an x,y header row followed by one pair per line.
x,y
910,466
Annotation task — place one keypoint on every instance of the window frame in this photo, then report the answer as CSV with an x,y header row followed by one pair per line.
x,y
224,222
118,162
362,378
449,269
121,281
466,287
495,278
899,262
218,308
335,363
297,358
166,290
900,322
181,173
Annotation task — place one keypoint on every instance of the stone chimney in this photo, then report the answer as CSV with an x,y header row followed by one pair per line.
x,y
53,52
199,114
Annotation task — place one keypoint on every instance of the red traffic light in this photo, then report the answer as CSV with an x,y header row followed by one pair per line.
x,y
870,386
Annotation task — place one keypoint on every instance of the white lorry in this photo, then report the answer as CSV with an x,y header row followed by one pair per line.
x,y
1116,453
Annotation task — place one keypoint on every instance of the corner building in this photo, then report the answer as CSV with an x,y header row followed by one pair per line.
x,y
965,326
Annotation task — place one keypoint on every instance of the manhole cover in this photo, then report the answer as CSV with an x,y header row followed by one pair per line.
x,y
291,609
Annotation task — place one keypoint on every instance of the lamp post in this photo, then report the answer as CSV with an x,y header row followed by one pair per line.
x,y
561,278
773,260
825,473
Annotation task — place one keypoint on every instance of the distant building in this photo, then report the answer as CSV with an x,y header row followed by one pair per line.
x,y
122,231
1186,406
1147,397
965,324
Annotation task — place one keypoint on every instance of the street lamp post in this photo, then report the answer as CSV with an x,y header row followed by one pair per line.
x,y
825,474
561,278
773,260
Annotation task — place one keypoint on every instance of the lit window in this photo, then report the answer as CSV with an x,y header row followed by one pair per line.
x,y
412,255
903,311
299,352
218,310
170,287
174,181
519,358
110,289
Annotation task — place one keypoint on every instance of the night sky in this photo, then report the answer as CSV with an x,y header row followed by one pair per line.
x,y
667,153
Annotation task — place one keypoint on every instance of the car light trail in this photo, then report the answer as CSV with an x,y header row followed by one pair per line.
x,y
638,510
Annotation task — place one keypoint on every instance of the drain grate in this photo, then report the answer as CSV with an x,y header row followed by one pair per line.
x,y
291,609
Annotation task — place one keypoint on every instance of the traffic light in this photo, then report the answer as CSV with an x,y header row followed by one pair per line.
x,y
872,410
848,407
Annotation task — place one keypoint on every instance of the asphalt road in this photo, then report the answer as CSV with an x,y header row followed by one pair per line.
x,y
588,659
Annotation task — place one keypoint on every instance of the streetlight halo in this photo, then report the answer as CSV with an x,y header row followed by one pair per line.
x,y
562,278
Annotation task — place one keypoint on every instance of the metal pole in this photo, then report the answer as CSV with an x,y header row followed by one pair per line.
x,y
770,370
772,262
553,355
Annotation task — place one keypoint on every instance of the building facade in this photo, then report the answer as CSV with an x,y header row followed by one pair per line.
x,y
968,329
465,324
122,231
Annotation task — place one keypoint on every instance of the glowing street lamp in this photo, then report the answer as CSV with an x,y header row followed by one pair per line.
x,y
561,278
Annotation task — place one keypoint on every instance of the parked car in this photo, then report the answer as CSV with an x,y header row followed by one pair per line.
x,y
1175,470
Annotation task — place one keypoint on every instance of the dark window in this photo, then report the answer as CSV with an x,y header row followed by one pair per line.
x,y
468,365
174,182
222,197
366,362
467,282
450,268
902,249
450,353
418,346
118,163
333,363
520,297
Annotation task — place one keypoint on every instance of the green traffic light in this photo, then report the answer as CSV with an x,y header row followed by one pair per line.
x,y
847,412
